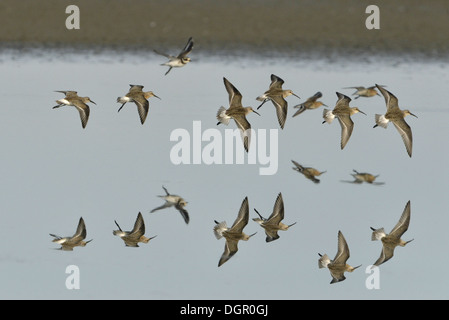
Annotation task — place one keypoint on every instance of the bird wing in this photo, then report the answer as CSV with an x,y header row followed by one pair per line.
x,y
271,235
278,211
164,54
66,247
343,250
242,217
142,107
80,233
135,88
302,107
385,255
343,101
347,125
116,223
403,223
299,167
406,133
84,111
315,97
56,237
183,212
130,242
188,47
245,129
281,109
354,181
235,97
165,205
139,227
276,82
229,250
358,88
310,176
69,94
390,99
166,191
337,276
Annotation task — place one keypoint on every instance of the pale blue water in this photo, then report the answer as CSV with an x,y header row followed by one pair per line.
x,y
53,172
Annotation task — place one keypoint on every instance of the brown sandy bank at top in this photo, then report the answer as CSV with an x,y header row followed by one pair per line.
x,y
406,26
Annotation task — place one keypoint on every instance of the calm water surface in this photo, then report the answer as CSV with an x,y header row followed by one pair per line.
x,y
53,172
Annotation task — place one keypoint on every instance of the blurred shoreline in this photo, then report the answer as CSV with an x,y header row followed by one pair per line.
x,y
259,27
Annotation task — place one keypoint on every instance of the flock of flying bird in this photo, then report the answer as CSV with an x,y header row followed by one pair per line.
x,y
131,238
342,111
277,95
337,266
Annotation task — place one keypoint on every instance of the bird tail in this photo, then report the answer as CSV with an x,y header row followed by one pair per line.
x,y
323,261
381,120
219,228
117,233
123,99
378,234
262,98
328,116
222,117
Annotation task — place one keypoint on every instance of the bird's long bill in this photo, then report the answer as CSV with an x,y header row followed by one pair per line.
x,y
357,267
362,112
93,102
120,108
291,224
413,115
262,104
252,235
89,241
256,112
152,237
296,95
156,96
409,241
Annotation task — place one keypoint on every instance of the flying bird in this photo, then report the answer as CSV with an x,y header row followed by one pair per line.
x,y
310,104
180,60
393,239
80,103
343,112
140,98
395,115
273,224
234,234
308,172
364,92
77,240
174,200
360,177
136,235
237,112
338,266
277,95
